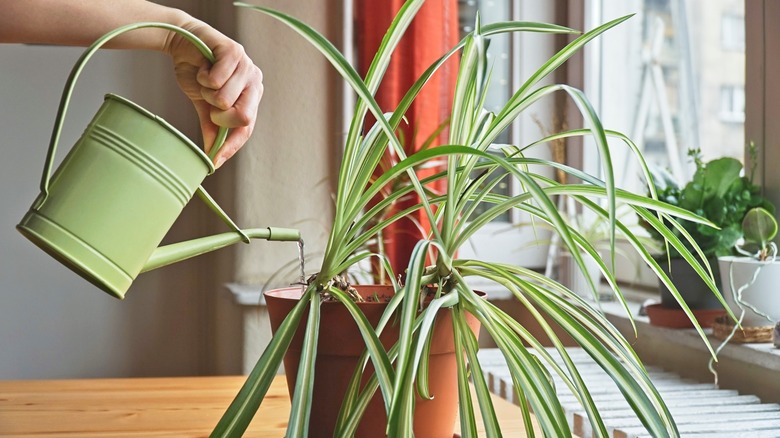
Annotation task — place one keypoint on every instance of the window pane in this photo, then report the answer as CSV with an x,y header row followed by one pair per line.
x,y
676,78
512,59
672,78
499,50
502,187
733,31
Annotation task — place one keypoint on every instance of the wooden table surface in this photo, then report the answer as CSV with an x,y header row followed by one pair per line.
x,y
152,407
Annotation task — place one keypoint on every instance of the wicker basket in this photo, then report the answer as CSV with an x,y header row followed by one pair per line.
x,y
723,326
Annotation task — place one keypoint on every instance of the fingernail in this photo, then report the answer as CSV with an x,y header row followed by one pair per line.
x,y
219,162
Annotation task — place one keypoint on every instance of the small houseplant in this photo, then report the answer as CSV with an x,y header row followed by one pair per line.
x,y
437,296
750,284
720,193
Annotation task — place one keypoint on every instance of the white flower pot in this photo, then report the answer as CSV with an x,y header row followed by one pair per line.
x,y
763,294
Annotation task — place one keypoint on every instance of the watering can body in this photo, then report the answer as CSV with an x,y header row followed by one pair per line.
x,y
116,194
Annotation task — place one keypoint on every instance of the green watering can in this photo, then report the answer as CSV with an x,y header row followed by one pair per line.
x,y
116,194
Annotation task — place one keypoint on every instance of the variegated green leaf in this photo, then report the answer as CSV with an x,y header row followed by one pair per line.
x,y
300,409
240,412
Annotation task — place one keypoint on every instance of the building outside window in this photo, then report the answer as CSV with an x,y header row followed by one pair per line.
x,y
681,85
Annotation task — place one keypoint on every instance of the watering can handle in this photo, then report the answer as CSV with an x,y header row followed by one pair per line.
x,y
74,74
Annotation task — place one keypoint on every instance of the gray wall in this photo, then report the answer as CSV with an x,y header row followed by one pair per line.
x,y
297,141
52,323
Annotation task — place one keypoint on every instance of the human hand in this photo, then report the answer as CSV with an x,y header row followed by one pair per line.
x,y
226,93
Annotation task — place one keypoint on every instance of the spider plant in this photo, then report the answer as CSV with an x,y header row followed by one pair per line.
x,y
401,372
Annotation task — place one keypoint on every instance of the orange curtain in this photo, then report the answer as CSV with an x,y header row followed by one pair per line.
x,y
433,32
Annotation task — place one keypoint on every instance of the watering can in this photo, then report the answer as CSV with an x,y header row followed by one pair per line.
x,y
109,204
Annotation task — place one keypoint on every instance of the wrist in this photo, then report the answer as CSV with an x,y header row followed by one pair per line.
x,y
171,38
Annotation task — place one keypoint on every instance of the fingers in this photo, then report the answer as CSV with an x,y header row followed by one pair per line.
x,y
226,93
242,112
240,117
210,123
233,90
229,58
233,86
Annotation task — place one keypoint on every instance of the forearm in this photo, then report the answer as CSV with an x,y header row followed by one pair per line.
x,y
225,93
80,22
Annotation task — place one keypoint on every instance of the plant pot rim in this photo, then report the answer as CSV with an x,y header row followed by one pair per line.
x,y
294,293
664,256
747,260
675,318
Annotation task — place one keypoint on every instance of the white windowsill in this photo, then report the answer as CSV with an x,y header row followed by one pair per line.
x,y
246,295
748,368
764,355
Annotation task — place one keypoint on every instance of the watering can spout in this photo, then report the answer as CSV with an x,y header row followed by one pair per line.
x,y
176,252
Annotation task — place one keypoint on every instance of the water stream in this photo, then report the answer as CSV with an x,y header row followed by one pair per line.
x,y
302,261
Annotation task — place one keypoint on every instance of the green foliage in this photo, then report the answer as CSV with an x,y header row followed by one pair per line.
x,y
471,173
759,228
718,193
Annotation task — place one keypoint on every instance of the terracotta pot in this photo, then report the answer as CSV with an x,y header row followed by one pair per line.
x,y
675,318
339,347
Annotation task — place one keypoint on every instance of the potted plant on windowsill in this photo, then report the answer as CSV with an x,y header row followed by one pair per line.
x,y
434,294
719,193
750,285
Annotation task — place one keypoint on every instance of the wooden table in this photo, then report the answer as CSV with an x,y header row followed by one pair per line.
x,y
151,407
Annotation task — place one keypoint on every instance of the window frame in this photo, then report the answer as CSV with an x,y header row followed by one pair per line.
x,y
761,93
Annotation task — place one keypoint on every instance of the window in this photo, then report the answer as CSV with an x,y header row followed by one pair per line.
x,y
675,75
732,35
671,89
732,103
